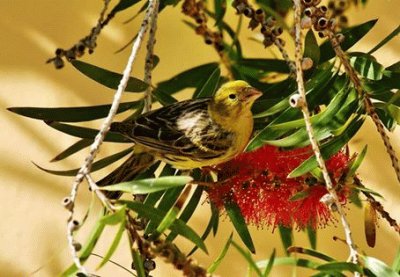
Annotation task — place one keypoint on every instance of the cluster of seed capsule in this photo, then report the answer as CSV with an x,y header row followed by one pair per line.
x,y
319,17
338,9
195,9
270,31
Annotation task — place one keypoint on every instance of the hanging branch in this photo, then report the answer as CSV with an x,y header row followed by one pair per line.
x,y
318,17
196,10
300,101
88,42
149,62
269,30
84,171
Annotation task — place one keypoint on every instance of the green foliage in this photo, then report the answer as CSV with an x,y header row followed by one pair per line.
x,y
337,113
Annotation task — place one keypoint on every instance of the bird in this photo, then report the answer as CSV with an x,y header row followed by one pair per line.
x,y
189,134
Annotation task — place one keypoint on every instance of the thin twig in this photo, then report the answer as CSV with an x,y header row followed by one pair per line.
x,y
84,171
302,103
149,62
369,107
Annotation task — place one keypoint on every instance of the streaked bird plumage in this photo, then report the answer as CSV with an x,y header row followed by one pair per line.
x,y
195,133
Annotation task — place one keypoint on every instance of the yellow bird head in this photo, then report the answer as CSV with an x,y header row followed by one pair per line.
x,y
234,99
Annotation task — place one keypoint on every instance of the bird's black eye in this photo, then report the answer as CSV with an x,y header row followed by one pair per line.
x,y
232,96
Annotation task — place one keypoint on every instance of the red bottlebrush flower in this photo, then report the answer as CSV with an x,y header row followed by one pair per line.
x,y
257,182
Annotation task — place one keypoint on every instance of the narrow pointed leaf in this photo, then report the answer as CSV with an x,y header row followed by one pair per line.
x,y
115,242
310,252
352,36
87,133
211,269
366,66
114,218
124,4
164,98
177,226
138,263
340,266
77,146
311,48
220,10
357,162
96,165
187,79
270,264
71,114
286,235
213,221
378,267
290,261
392,35
312,237
328,149
190,208
145,186
262,66
396,262
108,78
246,254
234,213
209,86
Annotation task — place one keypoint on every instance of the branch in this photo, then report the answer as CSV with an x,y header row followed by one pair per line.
x,y
149,62
300,101
84,171
369,107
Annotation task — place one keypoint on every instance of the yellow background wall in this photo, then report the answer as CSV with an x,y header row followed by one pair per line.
x,y
32,228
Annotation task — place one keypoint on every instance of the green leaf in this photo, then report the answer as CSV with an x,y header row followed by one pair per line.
x,y
124,4
270,264
87,248
311,252
209,85
258,67
108,78
220,10
187,79
96,165
393,34
212,225
312,237
340,266
234,213
328,149
165,204
177,226
114,218
117,238
211,269
354,165
166,222
366,66
138,263
378,267
246,254
352,36
77,146
289,261
394,111
311,48
396,262
71,114
164,98
87,133
286,235
150,185
190,208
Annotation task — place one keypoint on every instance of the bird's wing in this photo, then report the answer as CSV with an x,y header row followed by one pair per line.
x,y
182,129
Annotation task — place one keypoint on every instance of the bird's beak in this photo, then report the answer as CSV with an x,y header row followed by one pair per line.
x,y
251,94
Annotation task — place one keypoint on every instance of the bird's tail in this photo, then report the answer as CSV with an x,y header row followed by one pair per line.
x,y
132,167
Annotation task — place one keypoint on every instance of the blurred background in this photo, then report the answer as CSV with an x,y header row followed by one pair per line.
x,y
33,222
